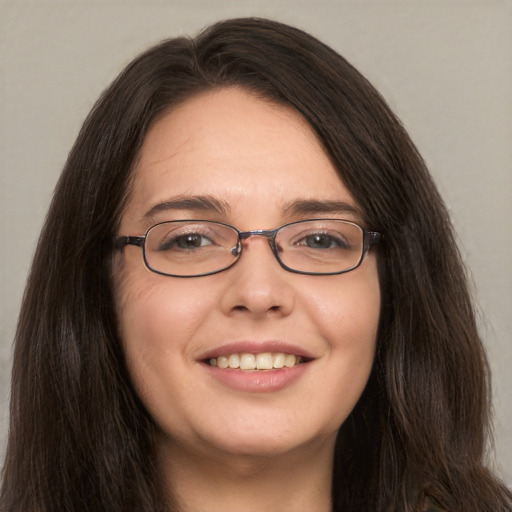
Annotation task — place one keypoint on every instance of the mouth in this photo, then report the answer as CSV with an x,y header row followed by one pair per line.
x,y
257,367
262,361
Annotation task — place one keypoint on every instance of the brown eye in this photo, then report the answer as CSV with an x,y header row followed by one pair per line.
x,y
188,241
324,241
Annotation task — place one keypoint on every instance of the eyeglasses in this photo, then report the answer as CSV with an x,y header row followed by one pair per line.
x,y
194,248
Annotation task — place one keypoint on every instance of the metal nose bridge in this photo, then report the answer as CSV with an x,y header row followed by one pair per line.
x,y
269,234
258,232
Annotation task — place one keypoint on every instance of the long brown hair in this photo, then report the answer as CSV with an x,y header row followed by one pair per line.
x,y
79,437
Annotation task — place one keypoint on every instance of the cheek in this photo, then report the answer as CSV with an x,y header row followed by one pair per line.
x,y
157,317
347,308
157,307
346,312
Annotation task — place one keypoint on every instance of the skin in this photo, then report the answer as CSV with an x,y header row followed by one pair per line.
x,y
222,448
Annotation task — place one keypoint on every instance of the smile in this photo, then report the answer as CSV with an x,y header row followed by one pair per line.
x,y
260,361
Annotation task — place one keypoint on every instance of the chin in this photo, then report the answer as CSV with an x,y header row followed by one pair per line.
x,y
269,441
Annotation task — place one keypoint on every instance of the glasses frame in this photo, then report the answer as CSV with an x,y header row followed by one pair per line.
x,y
370,238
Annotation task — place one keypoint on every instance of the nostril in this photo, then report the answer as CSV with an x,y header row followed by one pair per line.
x,y
271,309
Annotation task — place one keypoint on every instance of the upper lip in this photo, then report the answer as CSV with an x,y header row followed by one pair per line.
x,y
256,347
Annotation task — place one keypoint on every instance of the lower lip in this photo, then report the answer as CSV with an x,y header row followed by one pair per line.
x,y
257,381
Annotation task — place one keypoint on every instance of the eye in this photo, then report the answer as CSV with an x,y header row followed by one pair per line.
x,y
185,241
323,241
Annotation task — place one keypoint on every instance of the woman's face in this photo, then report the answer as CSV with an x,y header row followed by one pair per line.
x,y
244,161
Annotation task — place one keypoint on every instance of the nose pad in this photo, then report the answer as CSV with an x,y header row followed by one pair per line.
x,y
269,235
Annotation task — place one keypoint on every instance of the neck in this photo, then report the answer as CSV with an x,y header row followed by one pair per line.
x,y
299,480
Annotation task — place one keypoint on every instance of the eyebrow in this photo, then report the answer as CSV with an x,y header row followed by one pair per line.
x,y
209,204
195,203
315,207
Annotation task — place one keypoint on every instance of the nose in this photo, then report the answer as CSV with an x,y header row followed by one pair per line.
x,y
257,285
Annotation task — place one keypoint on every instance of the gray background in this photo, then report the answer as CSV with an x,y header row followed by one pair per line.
x,y
444,66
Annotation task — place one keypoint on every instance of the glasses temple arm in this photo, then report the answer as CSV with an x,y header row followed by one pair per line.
x,y
123,241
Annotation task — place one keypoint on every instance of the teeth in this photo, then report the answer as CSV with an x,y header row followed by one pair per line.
x,y
234,361
248,362
262,361
278,360
289,360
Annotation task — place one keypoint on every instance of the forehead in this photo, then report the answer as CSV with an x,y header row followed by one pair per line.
x,y
243,150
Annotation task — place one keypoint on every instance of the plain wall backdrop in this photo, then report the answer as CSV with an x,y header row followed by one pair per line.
x,y
444,66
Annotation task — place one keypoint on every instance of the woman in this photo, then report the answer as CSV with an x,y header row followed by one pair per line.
x,y
168,357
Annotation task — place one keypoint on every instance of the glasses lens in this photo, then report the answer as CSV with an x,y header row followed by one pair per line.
x,y
320,246
188,248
